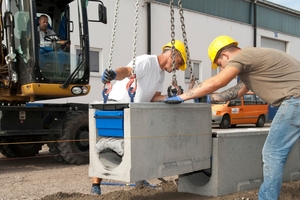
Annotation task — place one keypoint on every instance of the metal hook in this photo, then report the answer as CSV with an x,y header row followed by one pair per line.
x,y
106,91
131,90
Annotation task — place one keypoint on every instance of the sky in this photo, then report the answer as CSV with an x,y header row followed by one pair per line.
x,y
294,4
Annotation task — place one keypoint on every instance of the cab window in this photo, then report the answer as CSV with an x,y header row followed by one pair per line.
x,y
235,102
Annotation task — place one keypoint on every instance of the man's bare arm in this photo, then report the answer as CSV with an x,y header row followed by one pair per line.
x,y
158,97
190,92
123,72
229,94
212,84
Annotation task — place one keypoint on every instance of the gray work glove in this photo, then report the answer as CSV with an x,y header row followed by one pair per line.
x,y
108,75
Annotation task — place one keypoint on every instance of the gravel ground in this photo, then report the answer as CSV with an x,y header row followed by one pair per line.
x,y
43,178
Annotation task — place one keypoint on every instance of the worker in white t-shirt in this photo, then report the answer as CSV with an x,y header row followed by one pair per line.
x,y
150,75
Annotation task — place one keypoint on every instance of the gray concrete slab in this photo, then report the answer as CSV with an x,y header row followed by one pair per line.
x,y
160,140
237,164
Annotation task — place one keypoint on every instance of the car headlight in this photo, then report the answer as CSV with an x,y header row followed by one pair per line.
x,y
213,112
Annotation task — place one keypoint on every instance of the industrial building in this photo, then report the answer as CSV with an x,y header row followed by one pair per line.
x,y
257,23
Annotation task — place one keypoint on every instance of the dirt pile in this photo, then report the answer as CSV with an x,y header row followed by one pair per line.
x,y
163,191
168,191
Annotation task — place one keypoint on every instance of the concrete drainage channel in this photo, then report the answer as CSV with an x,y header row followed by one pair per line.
x,y
163,140
237,164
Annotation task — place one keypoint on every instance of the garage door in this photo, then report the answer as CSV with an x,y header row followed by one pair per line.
x,y
274,44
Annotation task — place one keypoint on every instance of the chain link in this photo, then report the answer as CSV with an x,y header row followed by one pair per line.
x,y
135,34
107,90
174,80
113,34
188,60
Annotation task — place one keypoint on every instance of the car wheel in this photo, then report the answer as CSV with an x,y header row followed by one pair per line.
x,y
225,123
260,121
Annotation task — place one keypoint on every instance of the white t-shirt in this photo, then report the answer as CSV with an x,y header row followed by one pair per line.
x,y
149,78
50,33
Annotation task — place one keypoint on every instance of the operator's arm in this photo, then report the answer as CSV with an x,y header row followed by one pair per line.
x,y
212,84
236,91
63,42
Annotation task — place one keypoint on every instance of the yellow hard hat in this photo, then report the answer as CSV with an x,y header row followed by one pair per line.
x,y
179,46
218,44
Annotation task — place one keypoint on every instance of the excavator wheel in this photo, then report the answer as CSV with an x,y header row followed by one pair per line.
x,y
49,123
20,150
2,150
53,148
74,142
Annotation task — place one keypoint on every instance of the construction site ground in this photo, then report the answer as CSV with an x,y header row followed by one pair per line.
x,y
41,177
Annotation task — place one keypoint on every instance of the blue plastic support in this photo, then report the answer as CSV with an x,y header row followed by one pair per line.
x,y
110,123
126,184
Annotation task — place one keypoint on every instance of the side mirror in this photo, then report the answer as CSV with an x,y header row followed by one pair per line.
x,y
102,13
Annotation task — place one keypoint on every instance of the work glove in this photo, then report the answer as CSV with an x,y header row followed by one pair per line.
x,y
108,75
174,92
174,100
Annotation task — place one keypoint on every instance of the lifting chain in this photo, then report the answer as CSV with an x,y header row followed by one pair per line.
x,y
107,90
112,44
135,34
132,90
188,61
174,80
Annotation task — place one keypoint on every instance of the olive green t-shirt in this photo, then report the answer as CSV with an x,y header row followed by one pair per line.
x,y
271,74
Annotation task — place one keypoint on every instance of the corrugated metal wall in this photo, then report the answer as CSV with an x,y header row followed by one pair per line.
x,y
278,21
268,16
230,9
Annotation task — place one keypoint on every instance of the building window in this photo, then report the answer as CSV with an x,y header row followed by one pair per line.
x,y
215,71
95,58
196,71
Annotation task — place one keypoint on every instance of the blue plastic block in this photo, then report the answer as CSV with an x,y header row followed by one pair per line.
x,y
110,123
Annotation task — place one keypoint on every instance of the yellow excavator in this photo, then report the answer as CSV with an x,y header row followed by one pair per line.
x,y
28,74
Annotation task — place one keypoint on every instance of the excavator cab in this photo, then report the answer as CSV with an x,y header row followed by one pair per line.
x,y
34,68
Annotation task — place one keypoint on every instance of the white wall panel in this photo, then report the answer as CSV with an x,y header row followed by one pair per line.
x,y
201,29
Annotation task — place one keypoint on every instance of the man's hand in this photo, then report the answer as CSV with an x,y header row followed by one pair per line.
x,y
174,100
65,44
108,75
